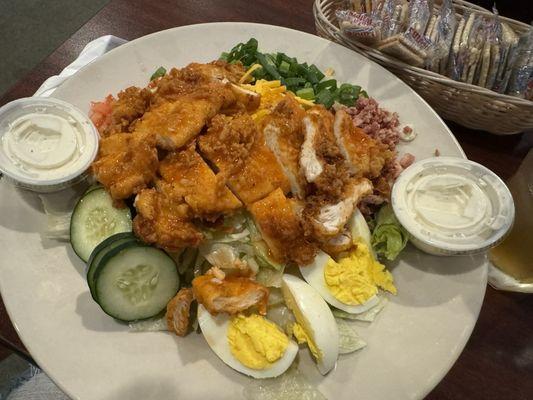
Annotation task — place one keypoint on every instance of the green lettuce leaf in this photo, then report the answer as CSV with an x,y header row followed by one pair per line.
x,y
388,237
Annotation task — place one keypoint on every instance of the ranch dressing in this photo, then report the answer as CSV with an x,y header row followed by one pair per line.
x,y
452,206
45,143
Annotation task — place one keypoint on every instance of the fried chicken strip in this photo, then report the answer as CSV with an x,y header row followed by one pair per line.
x,y
125,164
280,226
238,150
164,220
191,178
365,155
230,295
178,309
283,132
176,123
329,218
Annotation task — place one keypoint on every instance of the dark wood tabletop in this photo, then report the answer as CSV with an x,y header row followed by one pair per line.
x,y
497,362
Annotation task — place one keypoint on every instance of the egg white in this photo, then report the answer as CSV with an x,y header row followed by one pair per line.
x,y
319,322
215,331
314,272
359,229
314,275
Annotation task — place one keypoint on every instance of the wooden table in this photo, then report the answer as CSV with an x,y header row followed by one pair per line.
x,y
497,362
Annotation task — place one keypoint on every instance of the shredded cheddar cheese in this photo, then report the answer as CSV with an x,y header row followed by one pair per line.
x,y
272,92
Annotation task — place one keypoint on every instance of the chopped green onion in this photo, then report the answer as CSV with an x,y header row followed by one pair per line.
x,y
268,65
161,71
325,97
294,81
307,81
327,84
306,93
284,68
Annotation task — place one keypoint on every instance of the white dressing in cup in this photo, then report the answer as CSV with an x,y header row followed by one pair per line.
x,y
452,206
45,144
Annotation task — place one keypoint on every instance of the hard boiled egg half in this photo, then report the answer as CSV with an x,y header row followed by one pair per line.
x,y
350,283
315,324
250,344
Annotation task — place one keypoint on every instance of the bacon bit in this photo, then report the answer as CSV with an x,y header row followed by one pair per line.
x,y
407,160
178,309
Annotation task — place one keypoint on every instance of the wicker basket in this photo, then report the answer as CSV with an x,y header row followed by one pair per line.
x,y
469,105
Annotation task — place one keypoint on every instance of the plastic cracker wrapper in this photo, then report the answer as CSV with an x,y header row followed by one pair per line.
x,y
508,50
411,45
489,53
454,63
366,6
494,41
471,47
393,15
523,67
441,35
360,27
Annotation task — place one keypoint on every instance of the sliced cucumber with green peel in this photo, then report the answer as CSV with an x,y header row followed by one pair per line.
x,y
94,219
110,244
135,282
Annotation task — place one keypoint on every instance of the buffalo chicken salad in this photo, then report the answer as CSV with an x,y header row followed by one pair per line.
x,y
246,199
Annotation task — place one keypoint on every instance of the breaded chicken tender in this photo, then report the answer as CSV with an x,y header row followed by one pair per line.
x,y
280,226
366,156
178,311
191,178
284,135
238,150
175,123
126,164
164,220
230,295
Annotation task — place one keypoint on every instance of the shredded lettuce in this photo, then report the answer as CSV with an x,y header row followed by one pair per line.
x,y
291,385
388,237
349,340
270,277
367,316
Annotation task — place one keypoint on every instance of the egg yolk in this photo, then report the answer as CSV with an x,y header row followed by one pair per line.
x,y
255,341
302,337
355,278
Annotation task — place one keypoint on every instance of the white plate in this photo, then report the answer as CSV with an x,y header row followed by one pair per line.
x,y
411,345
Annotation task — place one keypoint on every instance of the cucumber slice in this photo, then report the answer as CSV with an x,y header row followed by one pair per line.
x,y
103,249
135,282
94,219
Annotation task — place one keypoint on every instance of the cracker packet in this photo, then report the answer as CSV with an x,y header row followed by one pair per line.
x,y
508,48
471,47
490,53
442,35
494,39
360,27
393,15
411,45
454,65
522,69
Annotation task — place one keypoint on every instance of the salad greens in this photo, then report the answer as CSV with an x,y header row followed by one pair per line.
x,y
306,81
158,73
388,236
349,340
